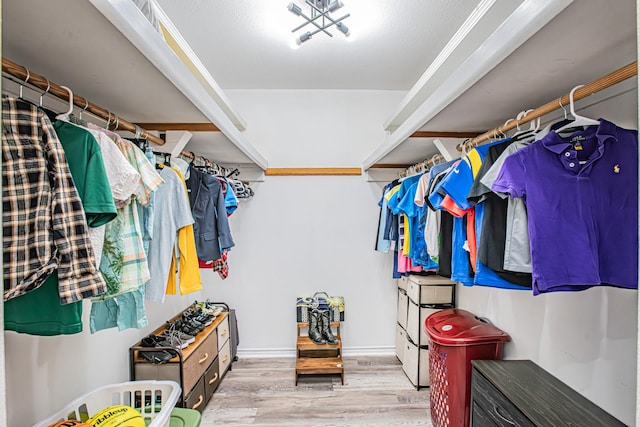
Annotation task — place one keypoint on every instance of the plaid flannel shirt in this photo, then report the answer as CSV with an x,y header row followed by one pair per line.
x,y
44,224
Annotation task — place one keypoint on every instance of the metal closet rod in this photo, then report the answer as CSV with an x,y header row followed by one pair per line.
x,y
115,122
604,82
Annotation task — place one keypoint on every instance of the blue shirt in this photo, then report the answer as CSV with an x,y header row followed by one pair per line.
x,y
581,193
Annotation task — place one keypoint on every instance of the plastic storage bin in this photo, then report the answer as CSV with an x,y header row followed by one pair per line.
x,y
457,337
153,399
185,417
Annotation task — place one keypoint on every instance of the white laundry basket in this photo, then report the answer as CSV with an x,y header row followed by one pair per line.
x,y
160,397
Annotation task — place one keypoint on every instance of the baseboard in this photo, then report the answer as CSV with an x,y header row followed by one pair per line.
x,y
255,353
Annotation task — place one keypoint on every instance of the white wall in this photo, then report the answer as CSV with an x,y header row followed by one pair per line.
x,y
586,339
300,235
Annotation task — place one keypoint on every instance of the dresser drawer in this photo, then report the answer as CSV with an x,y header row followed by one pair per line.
x,y
197,398
430,294
212,378
199,361
416,363
494,405
415,322
223,332
403,303
224,358
402,283
401,342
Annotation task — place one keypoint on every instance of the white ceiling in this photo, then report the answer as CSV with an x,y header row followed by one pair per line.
x,y
247,45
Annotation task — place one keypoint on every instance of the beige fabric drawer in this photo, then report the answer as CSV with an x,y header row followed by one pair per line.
x,y
430,294
402,282
224,358
415,323
195,365
223,332
416,363
401,342
403,305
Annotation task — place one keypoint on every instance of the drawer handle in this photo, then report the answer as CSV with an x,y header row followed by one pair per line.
x,y
225,358
213,380
504,418
206,356
198,403
223,333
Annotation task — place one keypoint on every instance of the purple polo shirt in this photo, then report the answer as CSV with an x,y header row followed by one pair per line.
x,y
581,194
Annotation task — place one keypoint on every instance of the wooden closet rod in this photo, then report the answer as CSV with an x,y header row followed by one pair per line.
x,y
42,83
604,82
421,166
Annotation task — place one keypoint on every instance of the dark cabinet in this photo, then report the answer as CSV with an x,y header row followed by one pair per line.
x,y
507,393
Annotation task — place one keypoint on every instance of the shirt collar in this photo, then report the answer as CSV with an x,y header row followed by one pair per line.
x,y
605,130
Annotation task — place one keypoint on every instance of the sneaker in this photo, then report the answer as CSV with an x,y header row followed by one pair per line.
x,y
186,338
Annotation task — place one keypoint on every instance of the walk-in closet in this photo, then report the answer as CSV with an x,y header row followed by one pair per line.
x,y
320,212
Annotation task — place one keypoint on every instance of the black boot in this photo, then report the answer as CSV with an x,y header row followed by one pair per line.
x,y
326,328
314,328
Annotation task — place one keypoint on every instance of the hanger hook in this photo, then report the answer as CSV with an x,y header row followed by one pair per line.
x,y
46,91
562,106
26,80
108,120
117,123
138,131
86,105
571,100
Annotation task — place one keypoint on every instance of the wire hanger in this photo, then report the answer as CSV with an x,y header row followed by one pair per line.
x,y
26,80
65,116
45,92
579,121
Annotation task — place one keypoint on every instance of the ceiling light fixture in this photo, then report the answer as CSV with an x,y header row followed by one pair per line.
x,y
320,18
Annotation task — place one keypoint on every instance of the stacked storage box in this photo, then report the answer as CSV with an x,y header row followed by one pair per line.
x,y
418,297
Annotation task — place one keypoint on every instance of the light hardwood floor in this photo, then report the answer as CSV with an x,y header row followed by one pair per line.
x,y
262,392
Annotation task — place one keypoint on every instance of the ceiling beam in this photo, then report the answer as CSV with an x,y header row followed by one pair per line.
x,y
133,25
490,34
191,127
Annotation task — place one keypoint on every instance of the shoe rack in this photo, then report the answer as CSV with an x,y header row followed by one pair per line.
x,y
198,368
318,359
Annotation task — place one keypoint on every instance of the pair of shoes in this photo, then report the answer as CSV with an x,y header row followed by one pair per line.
x,y
208,308
184,327
171,331
160,356
171,340
199,316
320,328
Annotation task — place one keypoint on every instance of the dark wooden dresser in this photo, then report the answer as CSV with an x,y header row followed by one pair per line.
x,y
520,393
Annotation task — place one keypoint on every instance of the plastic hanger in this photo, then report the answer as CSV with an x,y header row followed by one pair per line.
x,y
65,116
579,121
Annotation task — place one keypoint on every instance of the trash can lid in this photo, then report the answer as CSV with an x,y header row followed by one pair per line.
x,y
458,327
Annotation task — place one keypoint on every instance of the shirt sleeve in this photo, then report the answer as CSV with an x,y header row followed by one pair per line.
x,y
458,182
511,179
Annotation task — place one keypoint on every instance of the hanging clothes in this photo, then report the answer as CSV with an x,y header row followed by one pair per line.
x,y
171,213
211,227
39,312
189,271
581,193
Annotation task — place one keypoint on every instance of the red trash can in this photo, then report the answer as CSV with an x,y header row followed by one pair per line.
x,y
457,337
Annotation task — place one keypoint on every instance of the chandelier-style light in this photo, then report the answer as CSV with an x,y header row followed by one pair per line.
x,y
320,18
